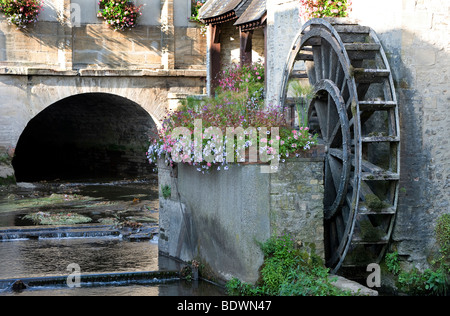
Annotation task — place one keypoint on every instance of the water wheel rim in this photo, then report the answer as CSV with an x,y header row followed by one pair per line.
x,y
327,33
339,178
314,33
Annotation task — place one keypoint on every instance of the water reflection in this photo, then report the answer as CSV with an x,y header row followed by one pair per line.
x,y
50,257
46,257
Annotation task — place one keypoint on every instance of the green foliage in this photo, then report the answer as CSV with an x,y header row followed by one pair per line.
x,y
120,14
443,233
430,281
304,93
195,7
374,203
392,262
166,191
287,270
369,232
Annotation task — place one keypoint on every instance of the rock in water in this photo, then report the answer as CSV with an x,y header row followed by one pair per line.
x,y
18,286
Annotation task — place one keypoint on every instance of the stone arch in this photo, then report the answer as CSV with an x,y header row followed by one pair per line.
x,y
150,93
86,135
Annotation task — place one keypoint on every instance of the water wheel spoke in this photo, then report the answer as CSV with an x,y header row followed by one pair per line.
x,y
321,110
330,184
336,170
332,120
332,62
334,140
317,56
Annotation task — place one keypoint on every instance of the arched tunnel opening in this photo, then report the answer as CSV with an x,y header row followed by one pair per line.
x,y
86,136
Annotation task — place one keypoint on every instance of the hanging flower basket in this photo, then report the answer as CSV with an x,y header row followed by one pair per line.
x,y
21,13
309,9
119,14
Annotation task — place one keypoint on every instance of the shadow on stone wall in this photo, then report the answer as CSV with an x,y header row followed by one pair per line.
x,y
424,179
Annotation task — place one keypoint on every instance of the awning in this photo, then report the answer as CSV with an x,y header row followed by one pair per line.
x,y
220,11
253,17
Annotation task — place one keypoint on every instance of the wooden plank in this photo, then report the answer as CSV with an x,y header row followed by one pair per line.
x,y
303,56
376,105
360,241
362,46
379,139
345,28
363,210
388,176
363,75
298,74
246,47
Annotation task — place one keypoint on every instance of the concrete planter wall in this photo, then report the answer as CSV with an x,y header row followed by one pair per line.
x,y
219,217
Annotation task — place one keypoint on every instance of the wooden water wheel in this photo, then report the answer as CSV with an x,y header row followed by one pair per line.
x,y
354,111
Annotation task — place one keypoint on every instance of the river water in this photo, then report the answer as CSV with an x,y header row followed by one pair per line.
x,y
105,203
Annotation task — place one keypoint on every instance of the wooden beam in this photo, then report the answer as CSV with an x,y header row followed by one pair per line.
x,y
246,47
214,56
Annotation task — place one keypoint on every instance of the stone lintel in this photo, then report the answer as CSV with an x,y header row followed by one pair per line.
x,y
23,71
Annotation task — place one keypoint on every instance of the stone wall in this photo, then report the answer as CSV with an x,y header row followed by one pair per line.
x,y
219,217
415,34
62,40
282,26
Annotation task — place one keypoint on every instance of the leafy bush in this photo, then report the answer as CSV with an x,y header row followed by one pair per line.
x,y
429,281
287,270
166,191
392,262
443,233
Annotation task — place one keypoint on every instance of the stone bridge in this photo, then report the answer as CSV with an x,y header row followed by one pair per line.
x,y
78,99
54,121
